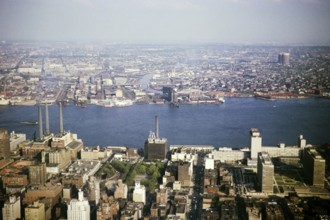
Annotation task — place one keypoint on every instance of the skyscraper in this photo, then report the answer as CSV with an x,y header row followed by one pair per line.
x,y
265,172
255,143
79,209
185,171
4,144
284,58
314,167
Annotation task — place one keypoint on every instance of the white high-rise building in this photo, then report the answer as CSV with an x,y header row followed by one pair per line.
x,y
12,208
79,209
209,162
139,194
256,143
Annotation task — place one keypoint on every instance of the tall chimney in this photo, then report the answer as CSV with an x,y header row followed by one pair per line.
x,y
41,135
157,128
47,119
61,118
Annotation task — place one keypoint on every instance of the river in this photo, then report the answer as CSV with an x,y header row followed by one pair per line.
x,y
221,125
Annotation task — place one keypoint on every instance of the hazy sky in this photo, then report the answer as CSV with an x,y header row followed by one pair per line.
x,y
167,21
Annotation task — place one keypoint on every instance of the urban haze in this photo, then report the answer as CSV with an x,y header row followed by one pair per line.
x,y
150,109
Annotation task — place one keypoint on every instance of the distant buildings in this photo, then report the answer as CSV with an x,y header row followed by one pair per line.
x,y
169,94
284,58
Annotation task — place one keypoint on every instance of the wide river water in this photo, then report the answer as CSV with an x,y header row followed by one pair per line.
x,y
224,125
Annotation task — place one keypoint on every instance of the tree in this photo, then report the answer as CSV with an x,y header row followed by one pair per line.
x,y
140,168
151,169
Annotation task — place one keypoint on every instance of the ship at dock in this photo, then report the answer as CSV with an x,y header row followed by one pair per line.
x,y
29,122
3,101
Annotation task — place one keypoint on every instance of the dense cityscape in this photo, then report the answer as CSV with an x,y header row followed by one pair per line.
x,y
120,75
55,176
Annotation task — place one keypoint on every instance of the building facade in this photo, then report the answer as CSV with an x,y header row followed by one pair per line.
x,y
4,144
139,194
255,142
155,148
79,209
12,208
265,172
314,167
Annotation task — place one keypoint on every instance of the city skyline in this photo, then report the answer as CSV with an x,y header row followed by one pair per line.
x,y
146,21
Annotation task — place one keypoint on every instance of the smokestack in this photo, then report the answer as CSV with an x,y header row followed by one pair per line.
x,y
61,118
47,119
41,136
157,128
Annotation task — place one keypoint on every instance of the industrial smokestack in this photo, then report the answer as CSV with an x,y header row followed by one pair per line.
x,y
41,135
157,128
47,119
61,118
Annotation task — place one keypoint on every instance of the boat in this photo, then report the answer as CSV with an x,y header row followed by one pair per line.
x,y
4,101
30,122
222,100
122,103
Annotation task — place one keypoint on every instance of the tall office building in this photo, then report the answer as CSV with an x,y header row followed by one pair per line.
x,y
314,167
94,190
35,211
255,143
301,141
169,94
284,58
155,148
265,172
185,171
12,208
79,209
139,193
37,174
4,144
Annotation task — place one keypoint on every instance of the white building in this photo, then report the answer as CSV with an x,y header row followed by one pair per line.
x,y
255,143
139,194
209,162
177,185
225,154
15,140
12,208
79,209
